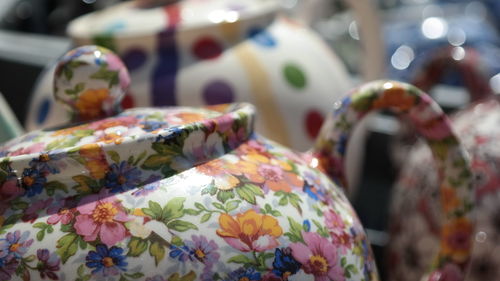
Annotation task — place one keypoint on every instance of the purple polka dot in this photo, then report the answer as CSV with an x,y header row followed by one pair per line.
x,y
217,92
134,58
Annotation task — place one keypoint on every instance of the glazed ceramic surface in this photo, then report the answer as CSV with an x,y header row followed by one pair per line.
x,y
195,194
417,221
209,52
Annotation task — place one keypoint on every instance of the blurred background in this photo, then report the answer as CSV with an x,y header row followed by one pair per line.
x,y
414,41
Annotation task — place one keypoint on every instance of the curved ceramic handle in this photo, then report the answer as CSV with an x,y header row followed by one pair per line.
x,y
466,61
431,123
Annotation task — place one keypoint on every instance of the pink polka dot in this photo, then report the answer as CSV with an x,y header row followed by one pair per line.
x,y
207,48
313,121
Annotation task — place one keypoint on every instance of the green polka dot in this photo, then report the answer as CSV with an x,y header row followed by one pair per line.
x,y
294,76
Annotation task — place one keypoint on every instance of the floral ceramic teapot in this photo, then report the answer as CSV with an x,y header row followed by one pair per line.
x,y
415,219
182,193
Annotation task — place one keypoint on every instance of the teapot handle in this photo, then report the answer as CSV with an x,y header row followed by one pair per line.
x,y
466,61
433,125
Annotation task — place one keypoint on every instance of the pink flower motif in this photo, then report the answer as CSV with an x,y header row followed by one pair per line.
x,y
450,272
101,215
37,147
342,241
318,257
31,213
10,189
334,222
62,211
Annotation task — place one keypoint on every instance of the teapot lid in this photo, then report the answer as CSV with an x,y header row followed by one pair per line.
x,y
142,17
156,142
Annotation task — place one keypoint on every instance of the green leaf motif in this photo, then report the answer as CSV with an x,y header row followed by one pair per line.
x,y
224,195
157,251
76,90
154,210
242,259
205,217
156,161
137,246
110,76
67,246
232,205
114,156
295,233
219,206
192,212
174,209
52,186
248,192
210,189
62,143
181,226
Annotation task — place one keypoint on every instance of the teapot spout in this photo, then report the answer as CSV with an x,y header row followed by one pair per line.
x,y
328,154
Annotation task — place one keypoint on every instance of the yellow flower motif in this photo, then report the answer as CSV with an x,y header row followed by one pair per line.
x,y
250,231
95,160
449,200
395,97
457,243
89,103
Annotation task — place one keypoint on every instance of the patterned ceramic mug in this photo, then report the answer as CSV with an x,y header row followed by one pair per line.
x,y
183,193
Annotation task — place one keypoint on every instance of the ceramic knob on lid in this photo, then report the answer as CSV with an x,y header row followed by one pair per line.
x,y
91,81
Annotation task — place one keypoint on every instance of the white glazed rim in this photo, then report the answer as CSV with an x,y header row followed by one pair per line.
x,y
79,27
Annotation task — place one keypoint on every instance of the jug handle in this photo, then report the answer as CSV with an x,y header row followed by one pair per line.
x,y
433,125
468,64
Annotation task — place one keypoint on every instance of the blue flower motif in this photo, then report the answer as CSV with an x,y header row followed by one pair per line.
x,y
342,144
122,177
342,108
48,163
14,245
284,264
106,262
306,224
241,273
182,253
33,181
151,125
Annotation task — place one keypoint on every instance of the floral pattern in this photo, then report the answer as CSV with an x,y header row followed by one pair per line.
x,y
167,205
414,197
452,163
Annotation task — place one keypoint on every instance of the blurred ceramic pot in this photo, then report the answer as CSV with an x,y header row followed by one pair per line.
x,y
9,125
209,52
182,193
196,53
416,223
